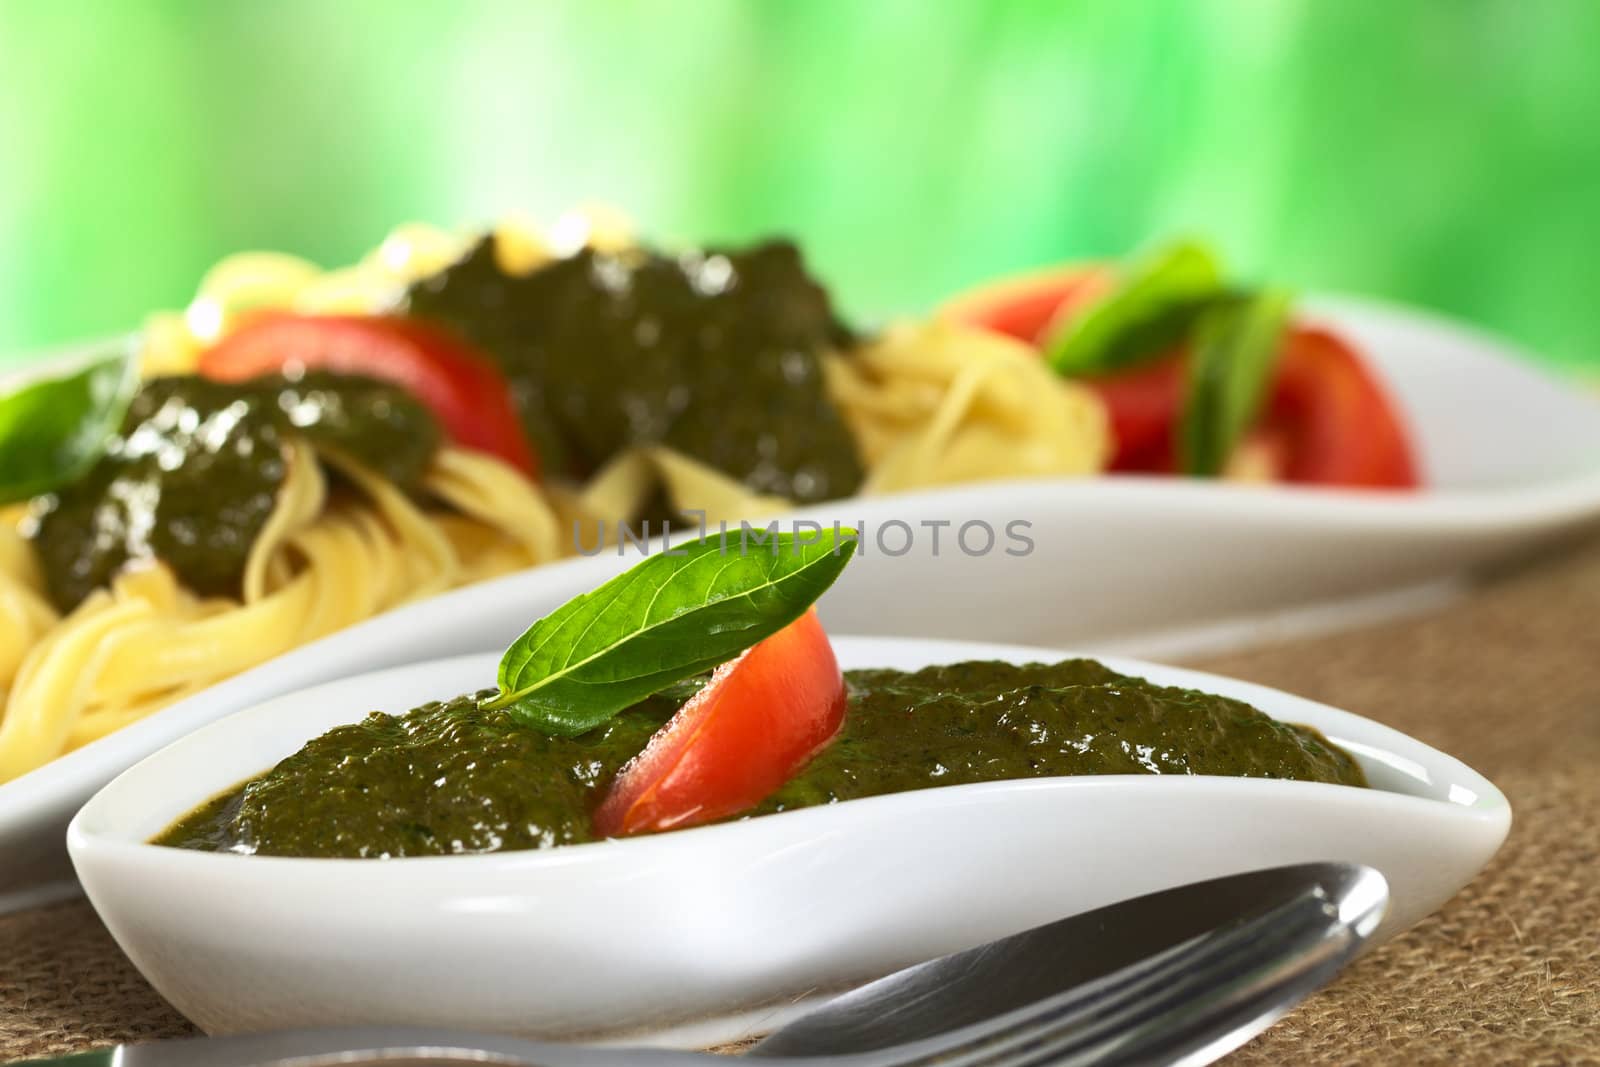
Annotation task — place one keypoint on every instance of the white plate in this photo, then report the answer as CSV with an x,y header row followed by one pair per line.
x,y
1138,565
693,933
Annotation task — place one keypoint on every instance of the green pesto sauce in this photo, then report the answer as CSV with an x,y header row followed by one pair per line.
x,y
444,778
715,353
979,721
379,425
195,472
451,778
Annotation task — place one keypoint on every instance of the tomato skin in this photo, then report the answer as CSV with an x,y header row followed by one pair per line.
x,y
1340,426
757,722
1143,404
1326,419
1027,307
460,386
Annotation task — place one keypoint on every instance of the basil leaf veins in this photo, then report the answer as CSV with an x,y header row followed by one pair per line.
x,y
670,617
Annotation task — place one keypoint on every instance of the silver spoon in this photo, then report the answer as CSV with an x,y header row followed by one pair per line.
x,y
1177,977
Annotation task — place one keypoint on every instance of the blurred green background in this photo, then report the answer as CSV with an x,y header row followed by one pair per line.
x,y
1445,153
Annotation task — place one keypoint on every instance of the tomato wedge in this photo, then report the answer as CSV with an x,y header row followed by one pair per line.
x,y
1026,307
1143,404
1326,419
755,724
467,394
1338,424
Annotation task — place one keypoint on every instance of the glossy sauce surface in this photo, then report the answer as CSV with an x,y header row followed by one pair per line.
x,y
714,353
450,778
195,473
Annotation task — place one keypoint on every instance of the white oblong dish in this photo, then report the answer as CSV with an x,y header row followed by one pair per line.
x,y
1147,565
705,935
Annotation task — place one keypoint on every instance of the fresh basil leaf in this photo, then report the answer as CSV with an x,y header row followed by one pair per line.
x,y
667,619
1152,308
1235,350
54,428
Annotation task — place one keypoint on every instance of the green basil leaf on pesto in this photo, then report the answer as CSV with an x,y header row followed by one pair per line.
x,y
1235,350
667,619
54,428
1153,307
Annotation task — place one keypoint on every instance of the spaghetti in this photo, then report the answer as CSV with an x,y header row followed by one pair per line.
x,y
927,404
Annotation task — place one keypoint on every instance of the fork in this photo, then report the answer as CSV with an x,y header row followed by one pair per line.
x,y
1177,977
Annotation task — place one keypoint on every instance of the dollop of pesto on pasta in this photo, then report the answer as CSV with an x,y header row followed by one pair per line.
x,y
196,471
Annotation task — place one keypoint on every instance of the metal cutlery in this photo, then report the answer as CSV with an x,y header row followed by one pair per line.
x,y
1176,977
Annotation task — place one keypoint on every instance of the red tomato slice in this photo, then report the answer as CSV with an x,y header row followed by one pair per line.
x,y
756,723
1143,404
1339,424
1327,420
460,386
1027,306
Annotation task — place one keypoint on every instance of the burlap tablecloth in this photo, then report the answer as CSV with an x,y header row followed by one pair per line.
x,y
1507,973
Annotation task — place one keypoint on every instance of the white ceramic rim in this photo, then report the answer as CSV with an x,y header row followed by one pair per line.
x,y
1371,741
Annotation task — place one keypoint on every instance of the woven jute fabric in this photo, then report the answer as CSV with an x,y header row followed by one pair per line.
x,y
1507,973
